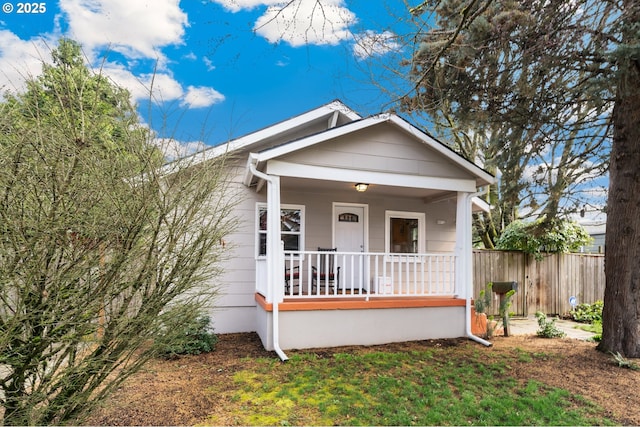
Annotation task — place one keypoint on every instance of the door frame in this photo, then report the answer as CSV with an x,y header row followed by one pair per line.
x,y
365,222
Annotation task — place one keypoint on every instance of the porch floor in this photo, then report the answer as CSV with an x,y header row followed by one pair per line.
x,y
358,303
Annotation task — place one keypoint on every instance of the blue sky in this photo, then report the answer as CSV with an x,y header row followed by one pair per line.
x,y
220,68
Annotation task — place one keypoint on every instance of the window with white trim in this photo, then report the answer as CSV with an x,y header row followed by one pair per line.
x,y
404,232
291,228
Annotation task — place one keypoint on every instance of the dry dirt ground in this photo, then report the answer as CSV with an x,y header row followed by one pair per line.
x,y
175,392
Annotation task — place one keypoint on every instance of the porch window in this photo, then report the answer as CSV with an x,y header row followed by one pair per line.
x,y
404,232
291,227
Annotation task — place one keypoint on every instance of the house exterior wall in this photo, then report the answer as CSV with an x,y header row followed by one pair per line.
x,y
318,217
598,244
235,308
381,148
314,160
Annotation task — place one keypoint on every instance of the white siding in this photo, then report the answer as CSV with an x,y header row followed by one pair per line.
x,y
382,149
439,237
234,308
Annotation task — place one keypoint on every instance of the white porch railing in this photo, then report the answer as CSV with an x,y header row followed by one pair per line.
x,y
313,274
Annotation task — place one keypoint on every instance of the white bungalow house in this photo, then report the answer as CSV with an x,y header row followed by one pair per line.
x,y
355,231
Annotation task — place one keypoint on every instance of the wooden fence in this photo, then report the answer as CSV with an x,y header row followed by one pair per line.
x,y
545,285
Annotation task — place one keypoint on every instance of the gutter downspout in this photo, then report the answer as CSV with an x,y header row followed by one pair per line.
x,y
468,277
273,197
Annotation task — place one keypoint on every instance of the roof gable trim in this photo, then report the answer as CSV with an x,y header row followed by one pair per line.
x,y
355,126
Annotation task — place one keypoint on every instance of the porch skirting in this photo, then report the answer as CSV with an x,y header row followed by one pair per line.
x,y
334,323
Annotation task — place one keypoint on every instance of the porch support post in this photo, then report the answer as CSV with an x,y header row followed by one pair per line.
x,y
463,251
275,253
275,256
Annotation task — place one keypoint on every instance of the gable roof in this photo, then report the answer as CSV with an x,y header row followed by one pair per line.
x,y
354,126
333,120
332,113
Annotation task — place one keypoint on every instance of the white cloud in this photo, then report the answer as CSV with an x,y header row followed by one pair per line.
x,y
163,86
174,149
20,59
302,22
299,22
135,28
199,97
190,56
138,29
238,5
124,78
208,63
371,43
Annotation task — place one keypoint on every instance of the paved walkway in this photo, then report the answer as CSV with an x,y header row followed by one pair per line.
x,y
529,326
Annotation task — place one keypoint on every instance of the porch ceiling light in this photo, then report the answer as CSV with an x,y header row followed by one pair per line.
x,y
360,187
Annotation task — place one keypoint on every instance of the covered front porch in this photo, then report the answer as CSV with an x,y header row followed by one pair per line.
x,y
340,262
328,297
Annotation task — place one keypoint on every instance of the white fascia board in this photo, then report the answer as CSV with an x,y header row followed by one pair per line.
x,y
342,108
277,167
294,122
480,204
248,175
448,153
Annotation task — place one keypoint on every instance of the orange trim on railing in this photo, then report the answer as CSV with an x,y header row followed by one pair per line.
x,y
360,304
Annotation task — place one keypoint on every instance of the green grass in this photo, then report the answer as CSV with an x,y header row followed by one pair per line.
x,y
596,327
430,387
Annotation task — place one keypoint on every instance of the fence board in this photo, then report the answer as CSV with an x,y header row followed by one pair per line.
x,y
544,285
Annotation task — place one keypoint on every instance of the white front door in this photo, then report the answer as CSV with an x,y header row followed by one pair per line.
x,y
349,226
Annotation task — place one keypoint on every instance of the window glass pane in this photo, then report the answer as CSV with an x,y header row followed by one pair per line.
x,y
290,227
291,242
404,235
263,219
290,220
262,244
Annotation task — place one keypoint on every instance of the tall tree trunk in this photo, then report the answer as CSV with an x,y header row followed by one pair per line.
x,y
621,314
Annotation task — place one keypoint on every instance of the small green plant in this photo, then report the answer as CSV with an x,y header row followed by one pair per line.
x,y
505,304
481,305
190,335
484,299
548,328
623,362
588,313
